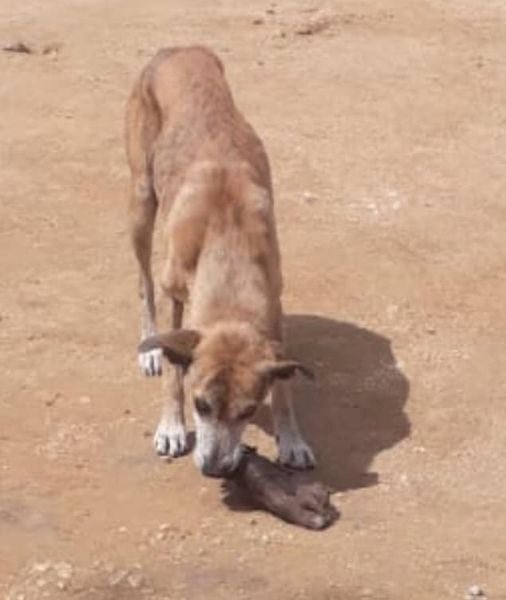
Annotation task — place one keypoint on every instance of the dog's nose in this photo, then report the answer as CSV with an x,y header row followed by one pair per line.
x,y
210,471
217,468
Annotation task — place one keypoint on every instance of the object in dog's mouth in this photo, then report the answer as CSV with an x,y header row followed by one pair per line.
x,y
279,491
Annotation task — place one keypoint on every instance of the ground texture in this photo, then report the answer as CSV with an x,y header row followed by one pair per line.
x,y
386,125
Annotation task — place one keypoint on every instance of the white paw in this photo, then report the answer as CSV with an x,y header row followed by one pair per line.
x,y
151,362
294,452
170,439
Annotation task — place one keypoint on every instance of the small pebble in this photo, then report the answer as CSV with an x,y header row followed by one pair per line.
x,y
117,578
258,21
309,197
41,567
475,591
313,27
135,580
51,401
122,529
18,47
63,570
51,49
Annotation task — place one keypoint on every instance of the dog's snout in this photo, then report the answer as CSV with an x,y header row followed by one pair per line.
x,y
216,464
218,450
215,467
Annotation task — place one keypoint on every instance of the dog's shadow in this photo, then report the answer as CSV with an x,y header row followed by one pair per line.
x,y
355,408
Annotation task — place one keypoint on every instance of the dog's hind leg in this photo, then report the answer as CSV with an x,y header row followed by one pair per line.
x,y
142,129
143,213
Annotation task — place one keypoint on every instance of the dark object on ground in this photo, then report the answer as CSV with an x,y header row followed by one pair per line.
x,y
313,27
52,49
280,492
18,47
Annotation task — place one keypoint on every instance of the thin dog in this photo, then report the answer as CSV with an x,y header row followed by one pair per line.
x,y
195,159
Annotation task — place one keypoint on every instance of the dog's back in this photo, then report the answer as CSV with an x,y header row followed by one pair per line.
x,y
210,176
184,107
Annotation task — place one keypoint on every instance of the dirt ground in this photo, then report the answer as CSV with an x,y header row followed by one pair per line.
x,y
386,126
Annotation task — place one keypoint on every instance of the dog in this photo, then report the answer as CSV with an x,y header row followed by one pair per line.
x,y
195,159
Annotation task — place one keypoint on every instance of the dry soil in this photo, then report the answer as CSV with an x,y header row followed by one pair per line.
x,y
385,122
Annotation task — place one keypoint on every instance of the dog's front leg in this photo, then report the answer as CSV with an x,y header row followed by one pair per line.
x,y
170,437
294,452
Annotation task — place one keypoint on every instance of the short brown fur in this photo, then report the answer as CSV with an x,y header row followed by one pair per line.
x,y
195,159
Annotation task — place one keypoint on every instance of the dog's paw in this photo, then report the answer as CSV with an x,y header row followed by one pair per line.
x,y
150,362
170,439
294,453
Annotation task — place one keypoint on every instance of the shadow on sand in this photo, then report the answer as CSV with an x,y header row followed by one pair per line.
x,y
355,408
352,412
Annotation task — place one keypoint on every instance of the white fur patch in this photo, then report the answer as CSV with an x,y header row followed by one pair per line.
x,y
170,439
217,446
151,362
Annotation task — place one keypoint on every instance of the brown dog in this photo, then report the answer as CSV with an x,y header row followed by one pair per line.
x,y
194,157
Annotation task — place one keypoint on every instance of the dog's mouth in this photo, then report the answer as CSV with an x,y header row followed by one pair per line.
x,y
228,469
245,451
223,473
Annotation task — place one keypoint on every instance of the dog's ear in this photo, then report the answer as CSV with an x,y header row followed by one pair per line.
x,y
284,369
177,345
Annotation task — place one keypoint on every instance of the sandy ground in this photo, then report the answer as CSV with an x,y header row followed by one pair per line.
x,y
386,130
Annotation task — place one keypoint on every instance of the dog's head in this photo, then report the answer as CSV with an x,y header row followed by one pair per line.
x,y
229,372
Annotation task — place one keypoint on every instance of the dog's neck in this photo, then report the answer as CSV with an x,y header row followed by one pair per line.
x,y
237,276
242,302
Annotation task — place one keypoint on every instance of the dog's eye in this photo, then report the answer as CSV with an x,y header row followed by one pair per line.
x,y
247,412
202,406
